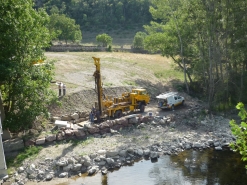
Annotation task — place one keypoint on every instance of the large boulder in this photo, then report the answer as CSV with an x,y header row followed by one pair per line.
x,y
133,120
79,133
103,125
50,138
123,153
40,141
66,118
111,153
93,130
13,145
104,131
74,116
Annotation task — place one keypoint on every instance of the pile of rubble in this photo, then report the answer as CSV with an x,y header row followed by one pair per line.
x,y
77,126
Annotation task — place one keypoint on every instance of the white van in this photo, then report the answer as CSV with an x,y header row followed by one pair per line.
x,y
169,100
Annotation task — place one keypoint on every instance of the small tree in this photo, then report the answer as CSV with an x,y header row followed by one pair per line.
x,y
65,28
105,39
139,40
240,131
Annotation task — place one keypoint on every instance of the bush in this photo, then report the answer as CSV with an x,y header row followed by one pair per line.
x,y
109,48
139,38
104,38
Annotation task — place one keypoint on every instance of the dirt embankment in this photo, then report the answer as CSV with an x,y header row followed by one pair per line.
x,y
83,100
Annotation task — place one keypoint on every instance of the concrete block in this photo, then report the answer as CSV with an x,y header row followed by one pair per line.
x,y
60,124
40,141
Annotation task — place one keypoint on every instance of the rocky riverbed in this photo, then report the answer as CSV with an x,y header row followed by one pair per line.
x,y
148,135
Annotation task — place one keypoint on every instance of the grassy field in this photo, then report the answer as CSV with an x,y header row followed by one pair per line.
x,y
76,69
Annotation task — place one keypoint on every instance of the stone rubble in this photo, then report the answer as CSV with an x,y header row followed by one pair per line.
x,y
204,132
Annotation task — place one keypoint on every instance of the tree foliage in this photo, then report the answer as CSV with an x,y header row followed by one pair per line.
x,y
240,131
205,39
23,85
105,39
138,41
65,28
91,14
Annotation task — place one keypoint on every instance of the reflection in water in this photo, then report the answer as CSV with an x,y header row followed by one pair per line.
x,y
190,167
211,167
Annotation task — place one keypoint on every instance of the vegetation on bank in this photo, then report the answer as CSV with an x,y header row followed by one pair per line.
x,y
206,42
240,131
16,161
31,152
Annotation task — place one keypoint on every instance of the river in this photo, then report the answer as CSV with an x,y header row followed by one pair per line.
x,y
191,167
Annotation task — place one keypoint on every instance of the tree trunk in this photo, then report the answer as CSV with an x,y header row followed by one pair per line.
x,y
181,66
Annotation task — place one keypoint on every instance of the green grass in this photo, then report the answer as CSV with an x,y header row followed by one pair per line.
x,y
15,162
129,83
108,84
88,141
146,137
168,74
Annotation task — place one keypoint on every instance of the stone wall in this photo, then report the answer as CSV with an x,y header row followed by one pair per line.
x,y
76,126
81,48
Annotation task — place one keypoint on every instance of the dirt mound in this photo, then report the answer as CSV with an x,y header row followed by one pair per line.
x,y
83,100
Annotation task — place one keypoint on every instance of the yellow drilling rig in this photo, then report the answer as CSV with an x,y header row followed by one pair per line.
x,y
114,107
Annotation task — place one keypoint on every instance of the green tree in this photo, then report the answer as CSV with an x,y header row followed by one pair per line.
x,y
139,40
240,131
105,39
65,28
207,42
24,86
170,33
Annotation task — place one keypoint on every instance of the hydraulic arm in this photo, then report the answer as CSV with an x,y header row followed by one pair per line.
x,y
98,83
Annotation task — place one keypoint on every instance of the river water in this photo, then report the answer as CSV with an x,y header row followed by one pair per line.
x,y
191,167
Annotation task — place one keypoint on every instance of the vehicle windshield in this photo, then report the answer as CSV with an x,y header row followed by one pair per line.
x,y
143,92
